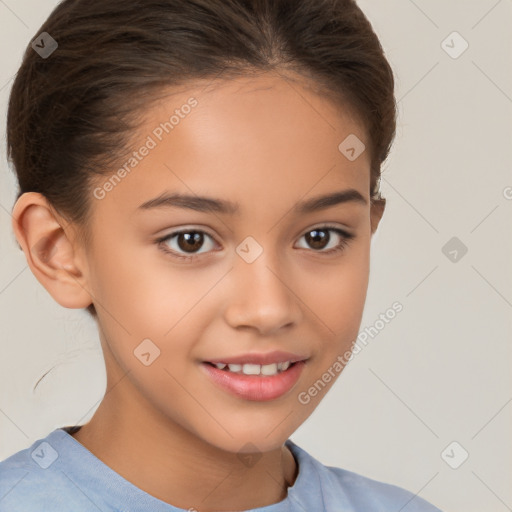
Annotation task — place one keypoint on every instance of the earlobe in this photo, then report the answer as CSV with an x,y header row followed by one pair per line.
x,y
376,212
48,244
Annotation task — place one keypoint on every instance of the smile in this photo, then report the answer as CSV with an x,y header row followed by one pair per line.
x,y
256,382
254,369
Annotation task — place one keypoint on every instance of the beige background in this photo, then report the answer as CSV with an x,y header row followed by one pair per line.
x,y
440,370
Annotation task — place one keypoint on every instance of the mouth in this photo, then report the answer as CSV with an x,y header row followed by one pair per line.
x,y
264,370
257,382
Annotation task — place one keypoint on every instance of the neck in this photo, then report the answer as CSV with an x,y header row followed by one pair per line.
x,y
172,464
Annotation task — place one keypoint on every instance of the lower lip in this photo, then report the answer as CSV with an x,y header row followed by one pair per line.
x,y
256,387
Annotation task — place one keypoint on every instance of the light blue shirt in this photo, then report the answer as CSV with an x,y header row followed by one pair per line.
x,y
58,474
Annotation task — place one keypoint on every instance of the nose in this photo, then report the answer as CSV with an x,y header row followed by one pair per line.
x,y
262,296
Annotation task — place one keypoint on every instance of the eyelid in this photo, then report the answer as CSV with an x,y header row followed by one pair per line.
x,y
343,232
332,225
185,229
198,227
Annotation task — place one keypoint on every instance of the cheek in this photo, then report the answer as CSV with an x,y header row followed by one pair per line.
x,y
141,295
151,297
130,286
338,293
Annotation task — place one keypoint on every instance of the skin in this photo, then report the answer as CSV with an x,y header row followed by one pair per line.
x,y
266,142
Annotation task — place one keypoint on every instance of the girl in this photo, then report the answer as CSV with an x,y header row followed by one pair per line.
x,y
203,177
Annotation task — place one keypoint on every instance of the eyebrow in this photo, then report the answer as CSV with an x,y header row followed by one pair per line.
x,y
210,204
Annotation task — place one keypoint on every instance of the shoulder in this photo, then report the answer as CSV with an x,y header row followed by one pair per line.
x,y
372,495
357,492
34,480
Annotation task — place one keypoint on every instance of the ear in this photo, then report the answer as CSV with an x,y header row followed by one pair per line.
x,y
376,212
48,243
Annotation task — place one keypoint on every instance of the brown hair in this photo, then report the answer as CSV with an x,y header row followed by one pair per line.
x,y
71,115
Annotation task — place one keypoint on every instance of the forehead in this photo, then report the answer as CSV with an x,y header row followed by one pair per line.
x,y
272,96
259,141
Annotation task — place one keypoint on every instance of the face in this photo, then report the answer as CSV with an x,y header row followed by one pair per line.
x,y
178,284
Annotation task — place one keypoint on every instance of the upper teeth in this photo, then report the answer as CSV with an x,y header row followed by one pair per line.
x,y
255,369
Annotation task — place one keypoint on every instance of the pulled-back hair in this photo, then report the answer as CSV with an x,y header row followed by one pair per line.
x,y
71,115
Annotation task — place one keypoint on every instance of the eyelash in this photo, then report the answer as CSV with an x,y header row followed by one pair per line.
x,y
345,241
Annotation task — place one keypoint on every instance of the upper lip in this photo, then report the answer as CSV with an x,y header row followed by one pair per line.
x,y
277,356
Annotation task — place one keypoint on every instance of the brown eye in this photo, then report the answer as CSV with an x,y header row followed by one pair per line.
x,y
319,238
185,243
190,241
